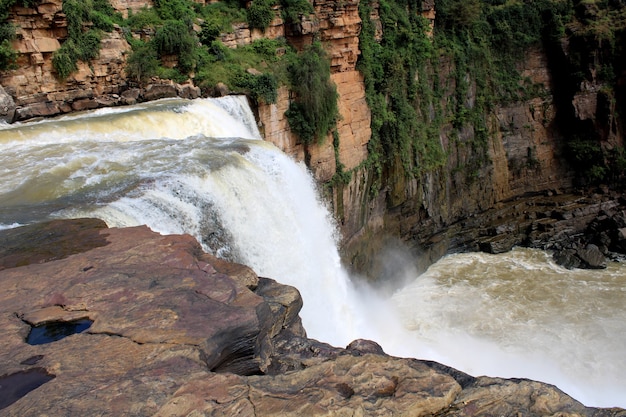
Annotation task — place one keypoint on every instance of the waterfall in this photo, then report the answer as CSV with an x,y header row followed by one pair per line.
x,y
200,167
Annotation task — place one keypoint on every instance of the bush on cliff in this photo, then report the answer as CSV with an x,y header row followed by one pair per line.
x,y
176,38
292,10
83,43
260,14
233,67
314,112
142,63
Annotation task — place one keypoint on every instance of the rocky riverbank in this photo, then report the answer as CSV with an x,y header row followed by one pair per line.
x,y
584,230
134,323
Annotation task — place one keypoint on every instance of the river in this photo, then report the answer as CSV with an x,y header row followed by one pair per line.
x,y
200,167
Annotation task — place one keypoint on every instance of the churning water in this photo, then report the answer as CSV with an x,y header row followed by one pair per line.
x,y
200,167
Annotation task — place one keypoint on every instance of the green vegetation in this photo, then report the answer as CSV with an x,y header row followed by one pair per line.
x,y
255,69
83,42
406,110
293,9
8,56
418,84
314,112
484,41
260,14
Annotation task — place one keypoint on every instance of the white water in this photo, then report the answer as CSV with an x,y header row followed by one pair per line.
x,y
194,167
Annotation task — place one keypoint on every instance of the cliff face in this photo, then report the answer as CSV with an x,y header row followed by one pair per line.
x,y
524,150
338,26
35,88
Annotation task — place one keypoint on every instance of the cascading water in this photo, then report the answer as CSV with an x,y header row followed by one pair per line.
x,y
199,167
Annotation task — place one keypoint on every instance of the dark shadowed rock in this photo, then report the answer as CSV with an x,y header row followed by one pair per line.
x,y
567,258
592,257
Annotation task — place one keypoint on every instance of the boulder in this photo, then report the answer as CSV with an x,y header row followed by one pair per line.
x,y
7,106
157,91
592,257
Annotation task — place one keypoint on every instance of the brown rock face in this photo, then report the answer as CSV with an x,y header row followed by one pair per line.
x,y
34,86
338,25
176,331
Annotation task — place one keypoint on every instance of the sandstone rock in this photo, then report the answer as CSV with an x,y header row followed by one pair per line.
x,y
495,396
85,104
157,91
188,91
221,90
130,96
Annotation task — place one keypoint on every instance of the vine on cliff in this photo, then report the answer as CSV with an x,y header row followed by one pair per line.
x,y
482,42
406,115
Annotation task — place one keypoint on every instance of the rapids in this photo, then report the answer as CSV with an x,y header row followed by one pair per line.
x,y
200,167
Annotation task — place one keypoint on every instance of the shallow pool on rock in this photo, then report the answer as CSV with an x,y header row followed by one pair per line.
x,y
56,330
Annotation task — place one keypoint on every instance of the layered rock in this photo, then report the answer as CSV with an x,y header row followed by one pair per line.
x,y
175,331
35,87
337,24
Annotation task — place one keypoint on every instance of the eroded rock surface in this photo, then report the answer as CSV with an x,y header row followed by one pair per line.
x,y
179,332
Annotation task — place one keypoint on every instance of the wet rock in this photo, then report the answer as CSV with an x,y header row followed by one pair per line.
x,y
498,244
567,258
49,241
130,96
592,257
17,385
7,106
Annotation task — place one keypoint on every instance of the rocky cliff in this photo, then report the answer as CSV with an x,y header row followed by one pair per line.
x,y
523,151
35,88
128,322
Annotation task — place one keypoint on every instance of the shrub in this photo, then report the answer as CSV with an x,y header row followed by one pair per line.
x,y
142,63
266,48
145,18
8,55
293,9
64,60
210,31
175,38
223,14
260,14
314,111
89,46
175,9
263,86
219,51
